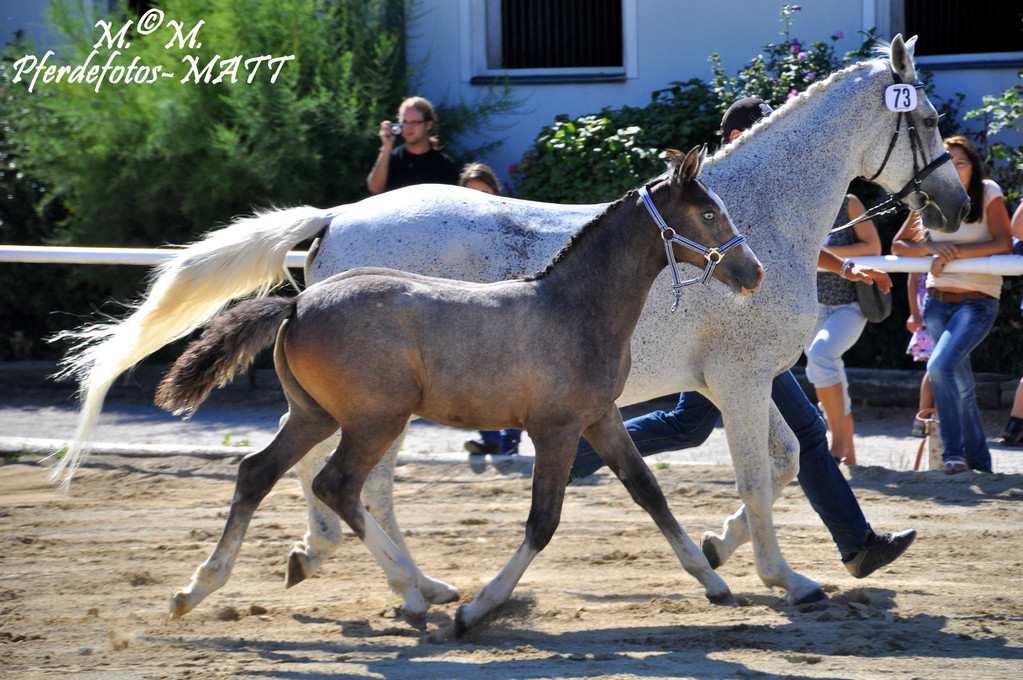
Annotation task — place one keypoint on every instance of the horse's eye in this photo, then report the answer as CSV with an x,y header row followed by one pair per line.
x,y
709,215
931,121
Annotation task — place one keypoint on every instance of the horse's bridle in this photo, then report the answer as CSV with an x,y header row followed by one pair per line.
x,y
911,195
712,255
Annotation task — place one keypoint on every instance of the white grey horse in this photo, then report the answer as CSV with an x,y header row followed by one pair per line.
x,y
782,181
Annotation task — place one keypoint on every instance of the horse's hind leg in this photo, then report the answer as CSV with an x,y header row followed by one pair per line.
x,y
610,439
783,449
339,485
324,532
257,474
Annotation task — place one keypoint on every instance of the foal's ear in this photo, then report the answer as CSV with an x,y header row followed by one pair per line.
x,y
690,167
902,58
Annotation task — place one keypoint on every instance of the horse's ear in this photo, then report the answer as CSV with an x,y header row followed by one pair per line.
x,y
693,162
902,58
675,161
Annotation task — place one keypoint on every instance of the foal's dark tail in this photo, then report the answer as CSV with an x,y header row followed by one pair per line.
x,y
228,345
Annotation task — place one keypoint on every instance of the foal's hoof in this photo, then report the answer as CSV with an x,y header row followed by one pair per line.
x,y
710,551
178,606
296,570
815,595
725,599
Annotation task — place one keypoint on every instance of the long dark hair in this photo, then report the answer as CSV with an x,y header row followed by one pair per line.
x,y
976,188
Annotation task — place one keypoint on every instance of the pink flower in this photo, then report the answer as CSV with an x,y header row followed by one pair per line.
x,y
792,94
838,35
801,56
811,76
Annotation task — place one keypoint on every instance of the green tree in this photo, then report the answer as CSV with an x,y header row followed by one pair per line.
x,y
143,164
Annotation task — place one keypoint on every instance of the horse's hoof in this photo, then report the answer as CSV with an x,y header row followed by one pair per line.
x,y
815,595
296,571
415,619
460,625
725,599
178,606
439,592
710,551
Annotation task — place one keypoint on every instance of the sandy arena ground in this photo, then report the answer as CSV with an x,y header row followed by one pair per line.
x,y
85,578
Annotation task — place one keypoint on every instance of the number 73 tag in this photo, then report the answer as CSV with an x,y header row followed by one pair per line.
x,y
900,97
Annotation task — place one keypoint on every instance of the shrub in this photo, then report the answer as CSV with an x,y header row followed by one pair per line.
x,y
786,68
597,158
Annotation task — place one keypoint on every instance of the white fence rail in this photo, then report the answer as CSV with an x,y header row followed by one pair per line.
x,y
76,255
1004,265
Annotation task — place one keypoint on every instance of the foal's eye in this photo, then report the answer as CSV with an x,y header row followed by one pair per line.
x,y
709,215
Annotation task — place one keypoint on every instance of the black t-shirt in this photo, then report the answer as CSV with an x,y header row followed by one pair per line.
x,y
432,167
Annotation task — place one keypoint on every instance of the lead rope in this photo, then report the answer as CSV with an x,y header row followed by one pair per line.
x,y
668,235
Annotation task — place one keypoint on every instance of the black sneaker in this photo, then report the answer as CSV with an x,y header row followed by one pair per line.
x,y
1012,435
478,447
880,550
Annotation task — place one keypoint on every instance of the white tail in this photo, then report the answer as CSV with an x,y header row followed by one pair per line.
x,y
243,258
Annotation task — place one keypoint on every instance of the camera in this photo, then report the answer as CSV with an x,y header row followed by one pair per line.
x,y
395,128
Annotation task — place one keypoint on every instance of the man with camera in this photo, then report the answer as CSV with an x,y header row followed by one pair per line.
x,y
418,160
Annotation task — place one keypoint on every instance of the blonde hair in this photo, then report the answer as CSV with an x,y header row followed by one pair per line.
x,y
423,106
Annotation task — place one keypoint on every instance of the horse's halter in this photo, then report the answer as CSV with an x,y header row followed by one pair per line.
x,y
910,195
712,255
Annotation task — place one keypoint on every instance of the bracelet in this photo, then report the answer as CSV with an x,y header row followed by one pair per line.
x,y
845,267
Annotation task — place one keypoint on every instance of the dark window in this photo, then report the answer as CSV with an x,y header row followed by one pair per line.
x,y
964,26
560,34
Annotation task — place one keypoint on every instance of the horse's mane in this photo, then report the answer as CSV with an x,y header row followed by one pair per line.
x,y
796,102
577,237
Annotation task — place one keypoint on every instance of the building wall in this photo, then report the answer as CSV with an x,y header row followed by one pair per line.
x,y
672,41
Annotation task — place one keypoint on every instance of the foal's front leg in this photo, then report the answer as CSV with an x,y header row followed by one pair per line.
x,y
611,441
555,452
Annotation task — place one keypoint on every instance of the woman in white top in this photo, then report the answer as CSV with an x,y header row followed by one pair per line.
x,y
960,308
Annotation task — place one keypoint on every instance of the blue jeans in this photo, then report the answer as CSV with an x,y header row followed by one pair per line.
x,y
695,416
508,440
956,328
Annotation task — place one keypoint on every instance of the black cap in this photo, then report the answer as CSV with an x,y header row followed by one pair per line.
x,y
743,114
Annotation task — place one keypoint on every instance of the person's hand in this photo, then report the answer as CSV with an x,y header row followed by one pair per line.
x,y
871,275
914,324
386,136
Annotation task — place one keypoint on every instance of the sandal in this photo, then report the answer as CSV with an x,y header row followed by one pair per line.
x,y
955,465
